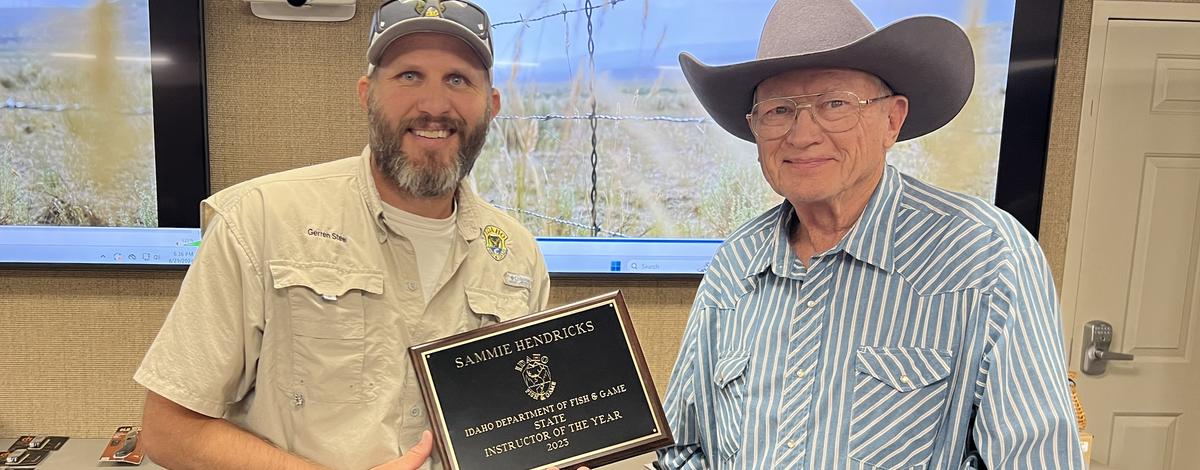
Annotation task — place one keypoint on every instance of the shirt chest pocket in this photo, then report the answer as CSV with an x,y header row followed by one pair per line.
x,y
326,310
492,306
899,400
730,386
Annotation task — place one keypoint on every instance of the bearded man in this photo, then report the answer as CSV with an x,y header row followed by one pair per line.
x,y
286,347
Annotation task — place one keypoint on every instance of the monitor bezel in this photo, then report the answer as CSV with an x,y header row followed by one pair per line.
x,y
1028,105
180,111
181,137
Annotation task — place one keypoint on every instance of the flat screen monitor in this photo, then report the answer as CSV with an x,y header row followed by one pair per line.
x,y
604,153
103,148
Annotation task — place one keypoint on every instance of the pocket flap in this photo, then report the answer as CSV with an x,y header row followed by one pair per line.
x,y
502,306
729,368
325,279
904,369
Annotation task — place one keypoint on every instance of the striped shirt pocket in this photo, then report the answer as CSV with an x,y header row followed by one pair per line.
x,y
899,397
731,402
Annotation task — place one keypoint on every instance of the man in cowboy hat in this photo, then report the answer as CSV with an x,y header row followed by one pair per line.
x,y
871,320
285,348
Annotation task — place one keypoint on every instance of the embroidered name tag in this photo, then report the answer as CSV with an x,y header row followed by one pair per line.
x,y
517,280
337,237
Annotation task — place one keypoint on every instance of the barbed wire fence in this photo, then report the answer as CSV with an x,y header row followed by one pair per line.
x,y
593,117
603,117
592,121
16,104
557,220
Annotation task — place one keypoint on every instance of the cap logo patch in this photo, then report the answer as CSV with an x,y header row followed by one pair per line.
x,y
424,9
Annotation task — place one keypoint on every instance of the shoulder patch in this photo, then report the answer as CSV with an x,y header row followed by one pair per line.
x,y
496,242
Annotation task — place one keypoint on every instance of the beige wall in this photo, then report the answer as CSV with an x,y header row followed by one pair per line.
x,y
71,339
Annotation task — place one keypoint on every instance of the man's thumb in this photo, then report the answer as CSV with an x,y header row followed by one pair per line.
x,y
418,453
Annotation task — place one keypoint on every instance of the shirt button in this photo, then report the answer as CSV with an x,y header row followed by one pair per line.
x,y
791,444
812,304
412,285
905,380
414,412
800,373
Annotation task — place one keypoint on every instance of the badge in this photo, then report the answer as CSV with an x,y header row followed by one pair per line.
x,y
425,10
496,242
536,374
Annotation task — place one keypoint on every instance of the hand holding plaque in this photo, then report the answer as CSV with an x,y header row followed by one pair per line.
x,y
565,387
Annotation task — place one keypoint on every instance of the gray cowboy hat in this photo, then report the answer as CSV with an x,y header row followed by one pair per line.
x,y
926,58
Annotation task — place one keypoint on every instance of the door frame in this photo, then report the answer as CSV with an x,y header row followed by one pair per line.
x,y
1102,12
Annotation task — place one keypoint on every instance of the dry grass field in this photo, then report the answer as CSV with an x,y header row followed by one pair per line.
x,y
76,132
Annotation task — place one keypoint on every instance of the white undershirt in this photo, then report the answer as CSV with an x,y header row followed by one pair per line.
x,y
431,239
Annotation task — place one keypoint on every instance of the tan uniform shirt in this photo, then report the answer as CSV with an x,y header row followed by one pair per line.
x,y
295,318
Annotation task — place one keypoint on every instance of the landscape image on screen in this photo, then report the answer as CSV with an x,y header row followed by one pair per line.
x,y
661,166
76,114
600,147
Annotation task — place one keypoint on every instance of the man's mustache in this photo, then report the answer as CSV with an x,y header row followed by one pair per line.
x,y
427,120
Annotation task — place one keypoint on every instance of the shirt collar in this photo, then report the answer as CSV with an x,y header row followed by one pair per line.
x,y
467,203
470,225
774,253
870,240
370,194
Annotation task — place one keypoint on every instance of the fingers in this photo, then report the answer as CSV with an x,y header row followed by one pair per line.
x,y
418,453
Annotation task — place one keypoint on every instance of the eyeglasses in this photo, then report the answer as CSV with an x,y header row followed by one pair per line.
x,y
466,14
834,111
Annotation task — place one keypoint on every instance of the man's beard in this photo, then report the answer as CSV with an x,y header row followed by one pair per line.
x,y
429,179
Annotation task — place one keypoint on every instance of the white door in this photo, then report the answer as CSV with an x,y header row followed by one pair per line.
x,y
1134,248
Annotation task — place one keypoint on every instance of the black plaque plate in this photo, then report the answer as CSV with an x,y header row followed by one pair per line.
x,y
565,387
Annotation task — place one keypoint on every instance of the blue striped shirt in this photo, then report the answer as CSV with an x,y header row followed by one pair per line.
x,y
934,308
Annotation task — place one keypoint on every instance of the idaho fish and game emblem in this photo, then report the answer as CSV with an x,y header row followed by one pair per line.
x,y
536,375
424,9
496,242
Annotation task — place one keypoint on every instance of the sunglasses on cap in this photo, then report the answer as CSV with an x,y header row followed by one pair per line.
x,y
465,14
